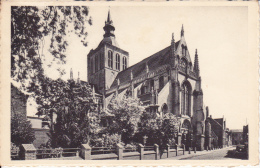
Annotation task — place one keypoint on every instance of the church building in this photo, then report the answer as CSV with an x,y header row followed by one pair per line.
x,y
167,81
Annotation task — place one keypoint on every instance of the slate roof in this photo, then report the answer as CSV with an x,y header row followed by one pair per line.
x,y
154,61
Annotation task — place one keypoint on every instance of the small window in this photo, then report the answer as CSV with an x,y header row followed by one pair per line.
x,y
117,62
110,59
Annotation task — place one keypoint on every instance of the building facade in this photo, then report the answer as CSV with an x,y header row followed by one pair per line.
x,y
166,82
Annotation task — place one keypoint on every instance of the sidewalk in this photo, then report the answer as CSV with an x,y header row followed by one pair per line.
x,y
198,153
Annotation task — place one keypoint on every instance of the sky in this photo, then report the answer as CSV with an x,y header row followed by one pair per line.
x,y
219,33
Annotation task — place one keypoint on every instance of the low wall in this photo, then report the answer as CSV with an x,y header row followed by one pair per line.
x,y
118,153
131,156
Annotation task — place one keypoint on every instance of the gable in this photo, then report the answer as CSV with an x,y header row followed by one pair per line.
x,y
178,51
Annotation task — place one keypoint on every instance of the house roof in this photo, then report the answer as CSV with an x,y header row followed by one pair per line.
x,y
154,61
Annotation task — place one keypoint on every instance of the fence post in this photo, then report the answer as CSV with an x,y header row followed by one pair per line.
x,y
189,150
119,151
85,151
28,152
141,151
168,150
157,153
183,149
176,150
195,148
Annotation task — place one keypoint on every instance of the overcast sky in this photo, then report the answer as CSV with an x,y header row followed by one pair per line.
x,y
219,33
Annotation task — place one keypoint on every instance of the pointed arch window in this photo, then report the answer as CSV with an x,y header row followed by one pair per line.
x,y
110,59
124,63
117,62
186,99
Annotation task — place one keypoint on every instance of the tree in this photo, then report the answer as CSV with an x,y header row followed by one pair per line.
x,y
159,130
127,112
21,130
31,26
77,117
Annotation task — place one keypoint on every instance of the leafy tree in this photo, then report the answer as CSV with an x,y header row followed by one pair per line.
x,y
21,130
107,140
159,130
127,112
31,27
77,119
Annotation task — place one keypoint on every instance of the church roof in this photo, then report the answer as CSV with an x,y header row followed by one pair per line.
x,y
154,61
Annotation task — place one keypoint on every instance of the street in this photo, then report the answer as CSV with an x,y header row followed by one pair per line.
x,y
219,154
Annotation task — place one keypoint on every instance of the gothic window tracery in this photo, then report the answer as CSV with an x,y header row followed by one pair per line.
x,y
186,99
110,59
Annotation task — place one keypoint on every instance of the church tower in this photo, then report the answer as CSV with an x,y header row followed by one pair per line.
x,y
106,60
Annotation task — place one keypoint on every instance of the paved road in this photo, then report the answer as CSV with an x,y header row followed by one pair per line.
x,y
220,154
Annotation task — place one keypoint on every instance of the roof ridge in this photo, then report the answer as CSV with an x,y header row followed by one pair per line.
x,y
146,58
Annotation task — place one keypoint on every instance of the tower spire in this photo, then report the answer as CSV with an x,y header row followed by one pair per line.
x,y
108,16
196,61
182,31
109,28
